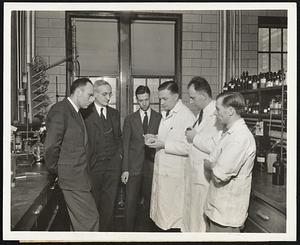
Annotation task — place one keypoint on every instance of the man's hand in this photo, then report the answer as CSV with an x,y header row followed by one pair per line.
x,y
124,177
190,134
157,144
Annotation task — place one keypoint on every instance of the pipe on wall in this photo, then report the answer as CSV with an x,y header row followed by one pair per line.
x,y
28,62
230,44
32,34
224,49
240,42
233,45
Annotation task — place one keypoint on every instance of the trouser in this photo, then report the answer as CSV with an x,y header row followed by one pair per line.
x,y
215,227
105,186
82,210
138,187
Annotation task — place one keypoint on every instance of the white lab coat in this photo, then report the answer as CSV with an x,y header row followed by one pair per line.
x,y
166,208
196,182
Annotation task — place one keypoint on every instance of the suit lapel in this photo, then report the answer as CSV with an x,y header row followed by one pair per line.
x,y
152,121
110,114
138,122
75,115
96,118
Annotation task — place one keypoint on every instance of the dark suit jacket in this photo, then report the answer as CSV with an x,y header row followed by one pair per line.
x,y
66,147
94,129
133,140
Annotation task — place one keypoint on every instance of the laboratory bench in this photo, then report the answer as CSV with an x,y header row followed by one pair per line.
x,y
37,203
267,208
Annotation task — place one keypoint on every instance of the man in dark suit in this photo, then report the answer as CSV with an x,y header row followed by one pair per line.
x,y
105,140
66,155
138,159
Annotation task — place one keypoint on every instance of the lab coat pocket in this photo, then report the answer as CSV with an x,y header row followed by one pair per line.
x,y
170,165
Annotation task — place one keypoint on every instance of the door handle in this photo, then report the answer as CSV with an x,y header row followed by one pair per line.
x,y
261,215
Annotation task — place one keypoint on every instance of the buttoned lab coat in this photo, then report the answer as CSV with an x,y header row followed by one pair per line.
x,y
168,175
196,179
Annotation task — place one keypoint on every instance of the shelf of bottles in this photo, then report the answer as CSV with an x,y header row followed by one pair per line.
x,y
263,94
265,114
39,87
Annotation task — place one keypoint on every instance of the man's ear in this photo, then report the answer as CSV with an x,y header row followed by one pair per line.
x,y
231,110
177,96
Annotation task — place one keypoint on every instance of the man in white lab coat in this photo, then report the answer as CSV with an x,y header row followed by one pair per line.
x,y
230,165
201,135
171,157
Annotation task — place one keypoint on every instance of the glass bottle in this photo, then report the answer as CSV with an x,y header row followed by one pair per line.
x,y
254,84
262,81
249,84
261,160
225,88
278,172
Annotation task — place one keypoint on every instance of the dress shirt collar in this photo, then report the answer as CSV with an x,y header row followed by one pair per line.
x,y
142,113
73,104
236,125
98,108
209,108
175,109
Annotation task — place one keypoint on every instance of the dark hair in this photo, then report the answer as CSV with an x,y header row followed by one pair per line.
x,y
233,99
169,85
142,90
200,84
80,82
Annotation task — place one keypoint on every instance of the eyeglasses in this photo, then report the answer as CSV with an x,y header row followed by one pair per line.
x,y
105,94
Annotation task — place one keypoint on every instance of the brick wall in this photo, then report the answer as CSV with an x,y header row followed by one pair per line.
x,y
199,49
50,44
199,45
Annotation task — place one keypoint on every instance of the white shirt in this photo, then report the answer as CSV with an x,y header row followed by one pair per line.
x,y
142,114
227,202
99,107
75,107
204,140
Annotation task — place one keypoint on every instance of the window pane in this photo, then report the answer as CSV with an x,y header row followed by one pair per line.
x,y
275,39
153,47
153,86
285,62
263,39
284,39
263,63
97,45
275,62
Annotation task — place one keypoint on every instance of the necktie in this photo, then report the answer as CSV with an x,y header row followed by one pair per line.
x,y
102,114
168,112
145,123
199,119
